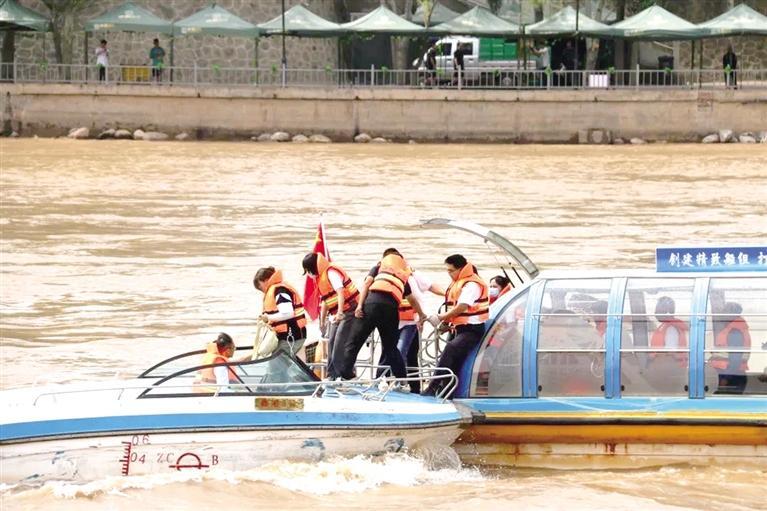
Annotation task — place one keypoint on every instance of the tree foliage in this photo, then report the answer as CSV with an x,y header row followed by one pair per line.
x,y
65,21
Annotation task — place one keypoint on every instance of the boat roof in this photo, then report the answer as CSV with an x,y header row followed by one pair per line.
x,y
644,273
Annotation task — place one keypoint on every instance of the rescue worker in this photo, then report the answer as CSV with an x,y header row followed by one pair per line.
x,y
380,310
671,332
338,297
283,309
731,366
467,310
408,343
217,352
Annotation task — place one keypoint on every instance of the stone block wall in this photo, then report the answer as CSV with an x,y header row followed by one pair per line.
x,y
207,51
751,52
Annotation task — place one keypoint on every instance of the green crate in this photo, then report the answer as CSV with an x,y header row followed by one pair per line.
x,y
494,48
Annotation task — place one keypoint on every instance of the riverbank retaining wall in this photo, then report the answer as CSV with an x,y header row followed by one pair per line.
x,y
399,114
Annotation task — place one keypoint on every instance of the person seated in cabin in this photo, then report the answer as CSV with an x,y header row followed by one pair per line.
x,y
731,365
598,311
498,286
217,352
671,332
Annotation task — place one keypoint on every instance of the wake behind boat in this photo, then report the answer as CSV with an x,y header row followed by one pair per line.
x,y
165,420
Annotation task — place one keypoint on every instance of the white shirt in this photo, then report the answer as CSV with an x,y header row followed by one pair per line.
x,y
470,293
419,284
102,56
335,278
222,376
284,309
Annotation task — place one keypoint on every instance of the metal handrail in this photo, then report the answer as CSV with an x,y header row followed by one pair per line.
x,y
470,78
369,383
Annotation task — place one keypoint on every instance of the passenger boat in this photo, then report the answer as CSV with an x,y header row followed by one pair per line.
x,y
570,372
165,421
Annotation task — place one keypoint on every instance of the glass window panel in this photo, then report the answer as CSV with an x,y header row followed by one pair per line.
x,y
571,337
736,336
265,376
655,326
498,369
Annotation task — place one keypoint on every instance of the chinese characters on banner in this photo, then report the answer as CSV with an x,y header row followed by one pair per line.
x,y
711,259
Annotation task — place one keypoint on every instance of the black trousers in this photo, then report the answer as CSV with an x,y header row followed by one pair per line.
x,y
380,315
455,353
339,331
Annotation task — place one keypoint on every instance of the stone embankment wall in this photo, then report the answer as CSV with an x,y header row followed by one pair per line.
x,y
207,51
400,114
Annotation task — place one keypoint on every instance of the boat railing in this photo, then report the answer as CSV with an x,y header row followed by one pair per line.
x,y
369,389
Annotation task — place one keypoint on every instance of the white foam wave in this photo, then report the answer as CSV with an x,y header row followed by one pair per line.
x,y
335,475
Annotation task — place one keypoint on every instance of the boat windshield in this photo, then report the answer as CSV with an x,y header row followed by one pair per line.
x,y
278,374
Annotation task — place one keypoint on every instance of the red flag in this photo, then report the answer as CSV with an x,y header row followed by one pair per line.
x,y
311,292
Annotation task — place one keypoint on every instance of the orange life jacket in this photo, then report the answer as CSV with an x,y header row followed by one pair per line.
x,y
720,360
392,276
406,311
270,304
658,339
502,292
327,294
479,309
207,375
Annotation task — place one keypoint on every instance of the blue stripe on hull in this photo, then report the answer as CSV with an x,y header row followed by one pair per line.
x,y
197,421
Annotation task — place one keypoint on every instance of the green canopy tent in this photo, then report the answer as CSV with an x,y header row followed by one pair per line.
x,y
301,22
656,24
127,17
217,21
478,22
740,20
383,21
568,22
439,14
17,17
298,21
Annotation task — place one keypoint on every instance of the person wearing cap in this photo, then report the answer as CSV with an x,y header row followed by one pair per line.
x,y
408,343
467,299
338,299
379,310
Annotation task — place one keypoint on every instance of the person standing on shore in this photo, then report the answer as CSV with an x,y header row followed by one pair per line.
x,y
730,66
157,55
102,60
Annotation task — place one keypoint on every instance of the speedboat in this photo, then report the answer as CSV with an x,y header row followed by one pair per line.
x,y
573,373
165,420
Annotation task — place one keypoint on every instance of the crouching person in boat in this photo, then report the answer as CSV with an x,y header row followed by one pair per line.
x,y
283,309
467,303
217,352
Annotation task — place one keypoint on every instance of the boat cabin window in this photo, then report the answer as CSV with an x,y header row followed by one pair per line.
x,y
277,374
655,336
497,370
736,336
571,338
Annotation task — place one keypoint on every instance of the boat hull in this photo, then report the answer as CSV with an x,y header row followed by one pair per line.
x,y
583,433
90,458
612,446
